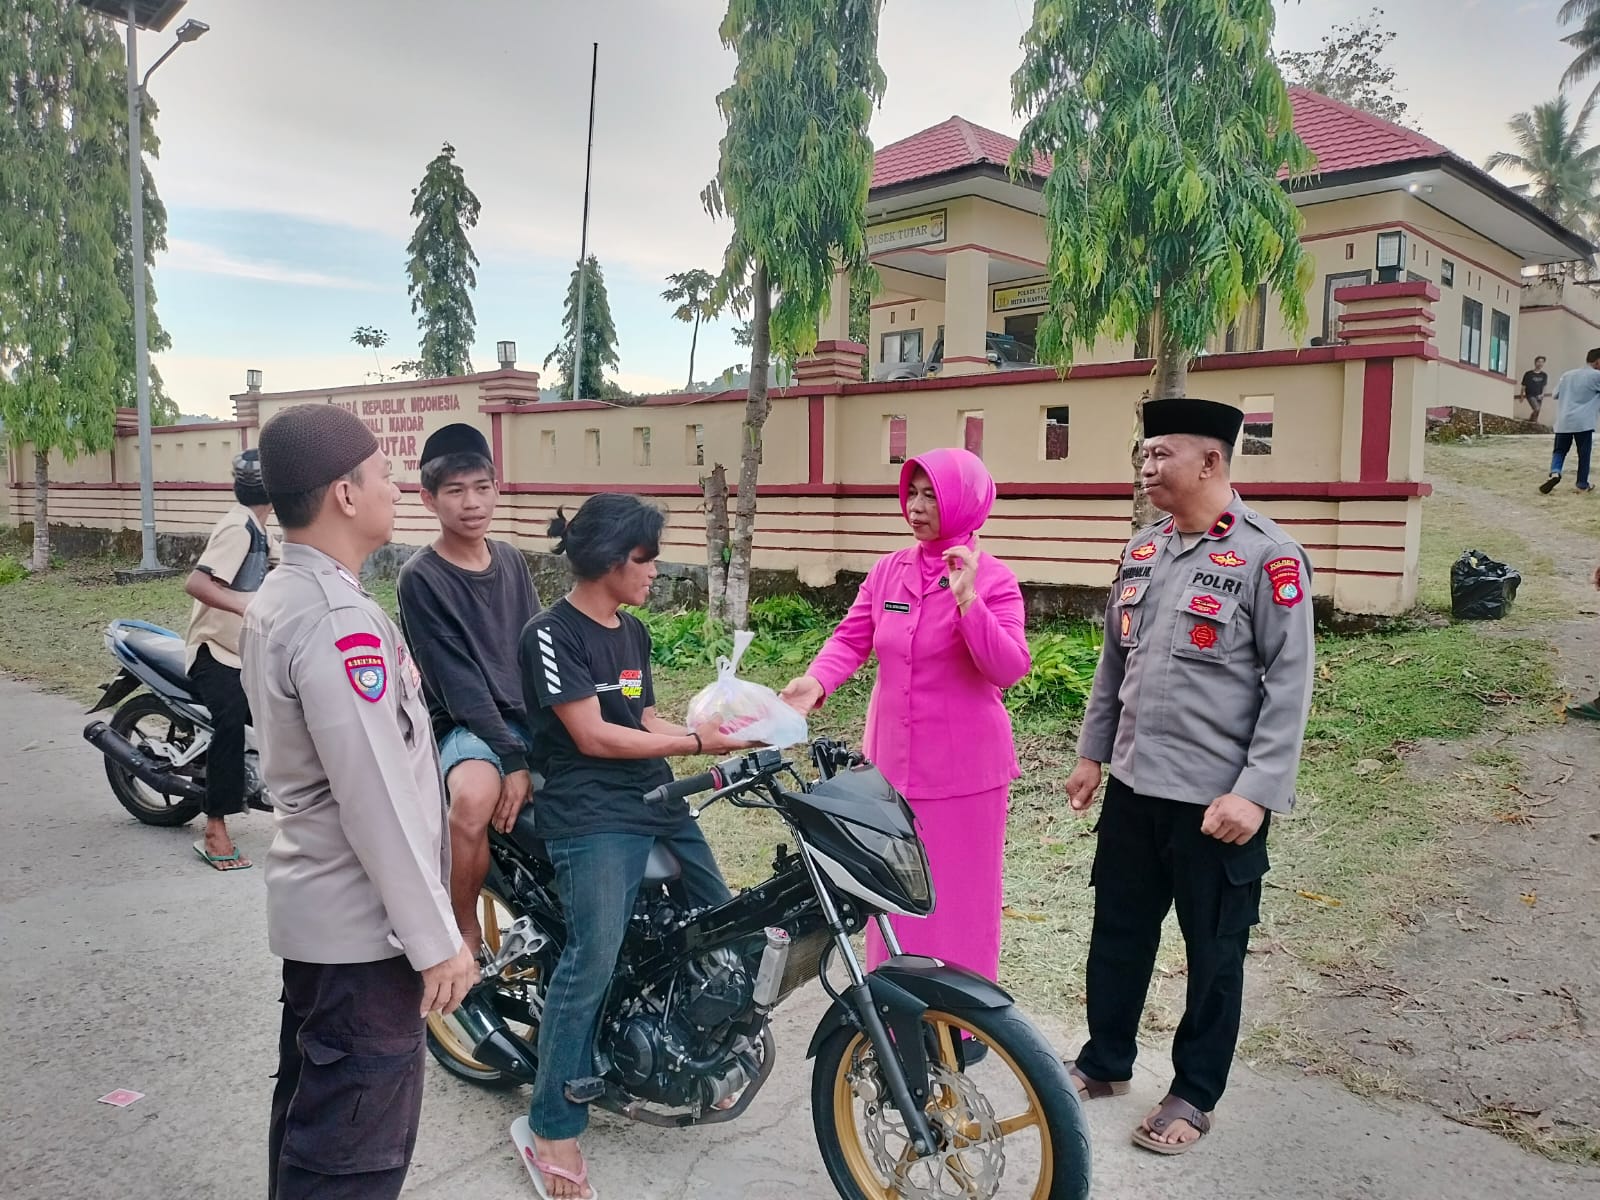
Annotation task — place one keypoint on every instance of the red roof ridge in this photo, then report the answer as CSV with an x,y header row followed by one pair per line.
x,y
1426,147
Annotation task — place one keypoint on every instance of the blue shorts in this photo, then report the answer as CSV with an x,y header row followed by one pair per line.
x,y
462,745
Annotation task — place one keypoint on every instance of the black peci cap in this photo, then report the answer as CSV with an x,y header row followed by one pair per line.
x,y
459,438
1201,418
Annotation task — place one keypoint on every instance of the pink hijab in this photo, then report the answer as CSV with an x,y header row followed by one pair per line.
x,y
963,489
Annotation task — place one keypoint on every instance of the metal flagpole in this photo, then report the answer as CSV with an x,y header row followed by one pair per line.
x,y
583,241
141,349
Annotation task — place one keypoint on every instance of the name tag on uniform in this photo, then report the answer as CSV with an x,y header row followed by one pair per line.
x,y
895,606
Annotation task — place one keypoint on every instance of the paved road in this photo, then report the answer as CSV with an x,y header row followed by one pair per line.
x,y
124,963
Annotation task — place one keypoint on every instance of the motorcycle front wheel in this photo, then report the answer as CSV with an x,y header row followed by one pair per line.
x,y
144,719
1007,1118
450,1044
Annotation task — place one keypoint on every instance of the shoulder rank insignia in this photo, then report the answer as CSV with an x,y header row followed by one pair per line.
x,y
1285,576
1230,559
1220,529
1206,606
364,665
1143,552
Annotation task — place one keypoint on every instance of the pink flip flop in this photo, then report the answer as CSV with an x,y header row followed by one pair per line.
x,y
522,1138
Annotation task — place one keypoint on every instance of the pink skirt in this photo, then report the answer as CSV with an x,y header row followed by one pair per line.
x,y
966,841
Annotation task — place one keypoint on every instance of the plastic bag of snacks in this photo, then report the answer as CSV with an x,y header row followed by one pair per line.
x,y
749,710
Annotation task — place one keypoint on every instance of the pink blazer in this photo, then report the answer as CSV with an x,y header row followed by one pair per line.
x,y
940,675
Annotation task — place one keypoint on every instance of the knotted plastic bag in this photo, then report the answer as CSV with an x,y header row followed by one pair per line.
x,y
747,710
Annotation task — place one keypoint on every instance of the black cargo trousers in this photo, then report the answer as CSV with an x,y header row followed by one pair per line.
x,y
350,1071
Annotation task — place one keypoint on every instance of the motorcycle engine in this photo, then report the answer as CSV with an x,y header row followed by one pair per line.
x,y
649,1047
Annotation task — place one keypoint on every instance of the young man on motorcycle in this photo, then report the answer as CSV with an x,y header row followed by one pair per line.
x,y
600,746
236,559
463,601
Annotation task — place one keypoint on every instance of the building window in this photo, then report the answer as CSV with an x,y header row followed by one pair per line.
x,y
1447,272
894,436
1471,332
1056,423
641,445
1349,251
1248,331
1331,308
694,445
970,425
591,447
902,347
1256,436
1500,343
547,447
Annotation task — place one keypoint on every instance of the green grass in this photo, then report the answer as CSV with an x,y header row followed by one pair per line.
x,y
1513,467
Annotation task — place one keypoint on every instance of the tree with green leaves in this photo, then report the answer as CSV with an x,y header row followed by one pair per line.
x,y
1349,67
66,315
1563,172
1168,124
441,268
1585,39
793,174
691,292
599,338
372,338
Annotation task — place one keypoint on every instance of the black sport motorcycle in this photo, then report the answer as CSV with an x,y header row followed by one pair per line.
x,y
928,1081
155,743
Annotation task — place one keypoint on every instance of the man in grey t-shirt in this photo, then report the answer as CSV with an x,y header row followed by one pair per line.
x,y
1577,410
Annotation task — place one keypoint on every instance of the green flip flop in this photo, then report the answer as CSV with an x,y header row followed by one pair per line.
x,y
1589,710
222,862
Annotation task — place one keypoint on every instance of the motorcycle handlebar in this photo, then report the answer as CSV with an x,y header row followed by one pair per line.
x,y
682,789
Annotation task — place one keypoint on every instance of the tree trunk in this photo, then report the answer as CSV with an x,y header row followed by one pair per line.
x,y
1172,380
715,488
41,510
755,416
693,342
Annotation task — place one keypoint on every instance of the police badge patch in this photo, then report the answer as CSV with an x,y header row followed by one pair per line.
x,y
1285,576
364,665
1145,551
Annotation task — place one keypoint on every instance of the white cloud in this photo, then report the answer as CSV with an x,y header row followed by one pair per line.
x,y
201,259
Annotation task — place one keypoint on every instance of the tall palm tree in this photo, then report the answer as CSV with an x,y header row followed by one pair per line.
x,y
691,292
1585,39
1563,174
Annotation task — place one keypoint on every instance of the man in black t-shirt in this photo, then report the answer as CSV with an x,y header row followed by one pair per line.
x,y
463,601
600,746
1533,384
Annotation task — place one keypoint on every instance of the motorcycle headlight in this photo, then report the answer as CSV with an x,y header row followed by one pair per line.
x,y
904,857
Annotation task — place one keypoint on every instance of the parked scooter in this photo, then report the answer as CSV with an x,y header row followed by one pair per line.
x,y
928,1081
155,743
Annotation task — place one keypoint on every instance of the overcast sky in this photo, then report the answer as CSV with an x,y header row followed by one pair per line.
x,y
293,134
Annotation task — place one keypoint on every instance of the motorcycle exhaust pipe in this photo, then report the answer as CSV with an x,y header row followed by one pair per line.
x,y
768,987
123,752
493,1043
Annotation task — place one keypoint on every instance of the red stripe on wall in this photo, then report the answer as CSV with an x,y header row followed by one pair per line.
x,y
814,433
1377,407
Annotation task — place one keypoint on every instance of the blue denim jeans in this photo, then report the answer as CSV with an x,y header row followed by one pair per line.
x,y
1564,442
597,878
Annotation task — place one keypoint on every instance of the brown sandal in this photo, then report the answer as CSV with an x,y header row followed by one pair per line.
x,y
1173,1108
1096,1089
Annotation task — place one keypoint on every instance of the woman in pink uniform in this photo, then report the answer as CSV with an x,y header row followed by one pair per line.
x,y
945,620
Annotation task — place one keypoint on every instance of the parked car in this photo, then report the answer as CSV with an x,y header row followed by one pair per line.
x,y
1005,353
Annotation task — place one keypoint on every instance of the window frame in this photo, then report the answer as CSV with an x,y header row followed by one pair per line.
x,y
1500,342
1471,332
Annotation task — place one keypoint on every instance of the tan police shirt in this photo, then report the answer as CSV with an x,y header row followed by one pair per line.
x,y
238,555
360,865
1204,683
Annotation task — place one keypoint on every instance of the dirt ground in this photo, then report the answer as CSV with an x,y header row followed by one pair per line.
x,y
1490,1009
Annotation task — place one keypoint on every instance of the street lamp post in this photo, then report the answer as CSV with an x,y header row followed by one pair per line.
x,y
154,15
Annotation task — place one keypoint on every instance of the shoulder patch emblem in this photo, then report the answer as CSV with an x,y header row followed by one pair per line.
x,y
1287,589
1230,559
364,665
1206,606
1143,552
1203,635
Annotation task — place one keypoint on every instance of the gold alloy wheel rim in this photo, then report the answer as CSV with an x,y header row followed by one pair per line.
x,y
493,915
858,1157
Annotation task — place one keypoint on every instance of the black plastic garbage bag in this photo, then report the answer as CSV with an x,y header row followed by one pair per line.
x,y
1481,589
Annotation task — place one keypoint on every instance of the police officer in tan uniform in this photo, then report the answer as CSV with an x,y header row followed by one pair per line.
x,y
1199,706
357,877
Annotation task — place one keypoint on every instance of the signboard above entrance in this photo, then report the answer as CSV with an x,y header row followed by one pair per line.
x,y
1028,295
902,233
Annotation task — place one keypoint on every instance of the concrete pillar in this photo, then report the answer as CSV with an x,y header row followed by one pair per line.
x,y
966,313
834,325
